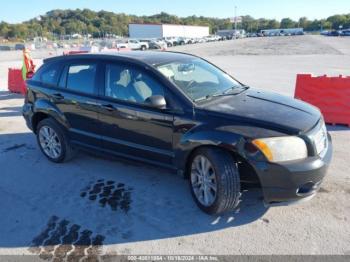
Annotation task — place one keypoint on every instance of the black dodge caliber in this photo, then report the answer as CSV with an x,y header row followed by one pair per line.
x,y
180,112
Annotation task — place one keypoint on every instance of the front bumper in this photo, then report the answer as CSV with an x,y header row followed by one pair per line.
x,y
293,181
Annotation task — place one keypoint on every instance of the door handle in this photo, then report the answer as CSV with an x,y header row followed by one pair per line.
x,y
108,107
58,96
127,115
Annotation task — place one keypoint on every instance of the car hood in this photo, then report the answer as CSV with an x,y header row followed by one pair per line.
x,y
266,108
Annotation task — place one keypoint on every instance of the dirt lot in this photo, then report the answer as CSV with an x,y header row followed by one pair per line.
x,y
144,210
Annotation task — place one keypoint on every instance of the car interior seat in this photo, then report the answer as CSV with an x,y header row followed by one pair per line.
x,y
140,89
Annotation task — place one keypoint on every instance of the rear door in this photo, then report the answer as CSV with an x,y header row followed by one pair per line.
x,y
76,99
130,127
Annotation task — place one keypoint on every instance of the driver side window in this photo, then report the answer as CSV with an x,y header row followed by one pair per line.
x,y
130,84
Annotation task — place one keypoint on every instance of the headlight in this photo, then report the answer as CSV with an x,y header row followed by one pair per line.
x,y
279,149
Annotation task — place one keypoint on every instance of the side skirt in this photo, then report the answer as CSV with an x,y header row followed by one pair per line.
x,y
123,156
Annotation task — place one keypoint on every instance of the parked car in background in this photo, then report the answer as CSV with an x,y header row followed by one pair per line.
x,y
155,43
183,41
154,46
161,43
252,34
171,41
210,38
180,112
5,48
137,45
345,32
122,44
334,33
19,47
200,40
168,43
191,41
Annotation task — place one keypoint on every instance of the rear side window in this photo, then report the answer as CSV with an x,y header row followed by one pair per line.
x,y
81,78
48,74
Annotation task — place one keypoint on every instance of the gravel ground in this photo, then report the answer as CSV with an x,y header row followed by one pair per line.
x,y
128,208
291,45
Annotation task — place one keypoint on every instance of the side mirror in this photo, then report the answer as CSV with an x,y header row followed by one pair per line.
x,y
156,102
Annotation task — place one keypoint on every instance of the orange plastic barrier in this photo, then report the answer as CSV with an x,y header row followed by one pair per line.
x,y
330,94
15,82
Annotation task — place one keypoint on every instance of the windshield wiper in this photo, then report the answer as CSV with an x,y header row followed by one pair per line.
x,y
231,90
202,98
227,92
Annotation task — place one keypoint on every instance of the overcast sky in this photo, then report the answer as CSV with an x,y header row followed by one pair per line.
x,y
22,10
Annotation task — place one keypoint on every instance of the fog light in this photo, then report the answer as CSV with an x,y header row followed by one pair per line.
x,y
306,189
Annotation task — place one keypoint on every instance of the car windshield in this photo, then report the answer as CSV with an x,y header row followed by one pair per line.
x,y
199,79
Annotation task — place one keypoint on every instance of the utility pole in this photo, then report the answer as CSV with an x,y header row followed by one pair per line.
x,y
235,19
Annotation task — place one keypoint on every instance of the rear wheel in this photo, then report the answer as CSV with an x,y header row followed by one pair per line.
x,y
53,141
143,48
214,181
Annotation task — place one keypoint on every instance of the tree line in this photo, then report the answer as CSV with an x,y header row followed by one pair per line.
x,y
58,23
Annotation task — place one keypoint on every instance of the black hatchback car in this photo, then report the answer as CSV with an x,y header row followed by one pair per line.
x,y
180,112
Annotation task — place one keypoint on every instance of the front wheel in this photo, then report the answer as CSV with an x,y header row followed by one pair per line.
x,y
214,181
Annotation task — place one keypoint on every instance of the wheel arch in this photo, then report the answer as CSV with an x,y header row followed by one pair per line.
x,y
37,118
246,170
43,109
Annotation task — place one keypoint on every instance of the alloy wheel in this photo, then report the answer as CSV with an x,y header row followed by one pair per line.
x,y
50,142
203,180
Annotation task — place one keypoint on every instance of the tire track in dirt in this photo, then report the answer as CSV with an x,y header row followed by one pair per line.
x,y
61,241
109,193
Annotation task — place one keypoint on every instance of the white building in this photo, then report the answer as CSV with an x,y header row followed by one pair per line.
x,y
166,30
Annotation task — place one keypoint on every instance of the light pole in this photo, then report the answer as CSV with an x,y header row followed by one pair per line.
x,y
235,19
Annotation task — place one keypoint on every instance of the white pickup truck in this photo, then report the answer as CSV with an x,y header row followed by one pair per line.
x,y
137,45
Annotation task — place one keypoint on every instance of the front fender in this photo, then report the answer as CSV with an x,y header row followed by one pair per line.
x,y
49,108
197,138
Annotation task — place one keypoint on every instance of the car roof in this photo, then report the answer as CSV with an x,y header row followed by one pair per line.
x,y
152,58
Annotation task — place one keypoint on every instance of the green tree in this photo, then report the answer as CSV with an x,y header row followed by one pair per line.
x,y
84,21
303,22
287,23
274,24
338,20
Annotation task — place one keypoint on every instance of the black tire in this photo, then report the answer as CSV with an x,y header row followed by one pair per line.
x,y
143,48
227,177
67,151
